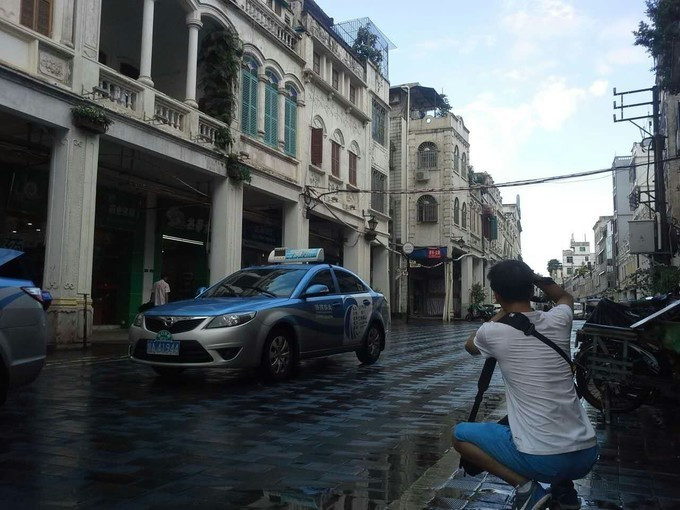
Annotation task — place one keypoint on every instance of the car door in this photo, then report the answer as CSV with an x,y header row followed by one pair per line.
x,y
357,306
323,327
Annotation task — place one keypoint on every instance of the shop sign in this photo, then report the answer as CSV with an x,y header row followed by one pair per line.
x,y
28,192
430,253
118,209
190,221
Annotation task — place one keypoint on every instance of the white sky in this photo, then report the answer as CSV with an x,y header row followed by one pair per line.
x,y
533,81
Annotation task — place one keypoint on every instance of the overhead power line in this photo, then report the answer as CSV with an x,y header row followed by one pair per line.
x,y
509,184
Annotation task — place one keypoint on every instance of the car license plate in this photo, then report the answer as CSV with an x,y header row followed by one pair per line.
x,y
163,345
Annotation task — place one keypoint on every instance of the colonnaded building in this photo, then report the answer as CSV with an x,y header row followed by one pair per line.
x,y
102,212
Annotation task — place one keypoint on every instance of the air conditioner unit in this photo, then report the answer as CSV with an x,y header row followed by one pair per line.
x,y
422,176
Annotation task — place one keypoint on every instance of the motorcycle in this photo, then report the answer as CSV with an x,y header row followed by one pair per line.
x,y
479,312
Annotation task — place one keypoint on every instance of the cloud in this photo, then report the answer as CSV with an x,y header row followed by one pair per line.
x,y
498,132
465,45
598,88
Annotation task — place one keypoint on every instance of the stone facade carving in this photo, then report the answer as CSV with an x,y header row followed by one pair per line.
x,y
55,66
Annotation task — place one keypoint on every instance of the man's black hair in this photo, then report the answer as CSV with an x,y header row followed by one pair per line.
x,y
512,280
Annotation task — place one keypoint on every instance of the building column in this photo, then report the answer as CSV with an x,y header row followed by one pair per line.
x,y
381,268
69,242
149,245
147,43
226,228
194,24
324,68
356,254
295,226
261,91
466,281
282,118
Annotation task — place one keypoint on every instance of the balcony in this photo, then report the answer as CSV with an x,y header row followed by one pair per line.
x,y
271,23
323,36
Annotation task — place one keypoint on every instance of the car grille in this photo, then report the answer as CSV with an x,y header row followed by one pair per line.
x,y
181,325
190,351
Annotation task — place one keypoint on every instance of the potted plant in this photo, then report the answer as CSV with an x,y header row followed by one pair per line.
x,y
90,117
236,169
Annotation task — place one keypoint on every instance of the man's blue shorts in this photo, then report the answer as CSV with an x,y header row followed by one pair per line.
x,y
496,441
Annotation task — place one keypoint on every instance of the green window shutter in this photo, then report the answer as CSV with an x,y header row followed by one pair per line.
x,y
290,127
271,115
494,228
249,104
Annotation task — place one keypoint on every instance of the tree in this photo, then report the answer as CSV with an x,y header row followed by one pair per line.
x,y
657,280
366,46
553,265
660,37
477,294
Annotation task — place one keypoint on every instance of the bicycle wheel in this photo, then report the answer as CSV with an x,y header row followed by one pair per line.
x,y
624,393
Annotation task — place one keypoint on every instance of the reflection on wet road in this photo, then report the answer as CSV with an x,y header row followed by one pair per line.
x,y
98,431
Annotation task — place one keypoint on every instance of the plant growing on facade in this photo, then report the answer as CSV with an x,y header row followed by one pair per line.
x,y
220,60
366,46
91,117
660,38
477,294
444,108
657,279
236,169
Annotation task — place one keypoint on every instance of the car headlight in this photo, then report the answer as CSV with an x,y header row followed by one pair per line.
x,y
139,320
231,319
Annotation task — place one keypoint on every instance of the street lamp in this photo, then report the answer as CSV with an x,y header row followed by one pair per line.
x,y
370,234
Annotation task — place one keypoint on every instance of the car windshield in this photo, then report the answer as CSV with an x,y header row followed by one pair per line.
x,y
274,282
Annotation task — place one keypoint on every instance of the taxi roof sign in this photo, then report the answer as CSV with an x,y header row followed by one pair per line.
x,y
286,255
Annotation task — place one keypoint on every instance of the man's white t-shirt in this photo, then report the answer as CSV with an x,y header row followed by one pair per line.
x,y
544,412
160,292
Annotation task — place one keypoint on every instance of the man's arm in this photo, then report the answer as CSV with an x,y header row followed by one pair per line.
x,y
553,291
470,342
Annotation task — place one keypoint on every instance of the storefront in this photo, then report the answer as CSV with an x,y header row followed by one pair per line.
x,y
426,282
329,236
261,234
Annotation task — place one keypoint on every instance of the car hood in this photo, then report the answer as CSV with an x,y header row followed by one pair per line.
x,y
6,255
216,306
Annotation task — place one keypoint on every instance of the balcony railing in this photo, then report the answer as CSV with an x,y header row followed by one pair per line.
x,y
169,114
268,20
119,91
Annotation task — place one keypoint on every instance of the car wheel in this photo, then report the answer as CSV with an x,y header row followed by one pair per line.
x,y
277,356
169,372
369,352
469,317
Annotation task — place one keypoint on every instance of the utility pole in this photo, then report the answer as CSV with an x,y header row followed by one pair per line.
x,y
662,254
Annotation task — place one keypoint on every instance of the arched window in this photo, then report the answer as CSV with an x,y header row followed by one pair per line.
x,y
463,163
271,109
456,159
463,221
427,155
249,96
427,209
290,121
336,144
456,211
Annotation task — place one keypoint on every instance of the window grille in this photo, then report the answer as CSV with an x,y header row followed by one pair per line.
x,y
427,209
427,155
378,183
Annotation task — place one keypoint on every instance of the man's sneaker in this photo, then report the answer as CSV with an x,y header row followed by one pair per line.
x,y
536,498
564,497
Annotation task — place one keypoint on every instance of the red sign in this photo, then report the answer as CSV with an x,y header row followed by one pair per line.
x,y
434,253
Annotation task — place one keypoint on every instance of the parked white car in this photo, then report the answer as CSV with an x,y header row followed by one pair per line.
x,y
23,323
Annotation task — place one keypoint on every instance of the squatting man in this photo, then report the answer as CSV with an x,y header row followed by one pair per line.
x,y
549,438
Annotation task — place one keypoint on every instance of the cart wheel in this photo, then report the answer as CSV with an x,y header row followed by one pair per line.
x,y
621,396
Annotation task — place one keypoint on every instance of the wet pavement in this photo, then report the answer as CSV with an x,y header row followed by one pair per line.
x,y
97,431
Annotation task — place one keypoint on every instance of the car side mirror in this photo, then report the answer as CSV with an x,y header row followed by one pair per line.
x,y
200,291
317,289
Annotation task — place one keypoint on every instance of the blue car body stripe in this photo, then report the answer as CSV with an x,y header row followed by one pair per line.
x,y
12,297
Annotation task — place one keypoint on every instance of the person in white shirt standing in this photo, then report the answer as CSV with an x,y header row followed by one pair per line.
x,y
160,291
549,438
